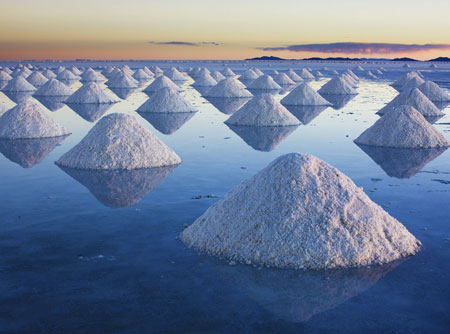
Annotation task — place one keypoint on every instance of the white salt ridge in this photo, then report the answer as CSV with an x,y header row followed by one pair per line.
x,y
217,76
300,212
263,110
294,76
305,74
229,87
249,74
119,141
358,68
29,120
4,76
140,74
53,88
49,74
19,73
122,80
174,74
91,76
67,75
160,83
91,92
166,100
37,79
416,99
304,95
402,127
404,79
283,80
434,92
204,79
264,82
318,74
19,84
337,86
227,72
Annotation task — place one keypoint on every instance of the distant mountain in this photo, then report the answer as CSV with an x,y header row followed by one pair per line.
x,y
443,59
346,59
266,58
440,59
404,59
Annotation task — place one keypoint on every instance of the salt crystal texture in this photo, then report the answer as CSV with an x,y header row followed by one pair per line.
x,y
434,92
19,84
304,95
166,100
91,92
37,79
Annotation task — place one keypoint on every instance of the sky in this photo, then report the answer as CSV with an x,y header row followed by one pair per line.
x,y
232,29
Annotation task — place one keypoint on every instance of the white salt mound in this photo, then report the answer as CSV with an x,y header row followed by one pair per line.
x,y
264,82
91,76
402,127
174,74
148,71
263,110
118,141
294,76
122,80
337,86
300,212
416,99
75,70
29,120
412,83
283,80
160,83
217,76
404,79
156,69
37,79
166,100
204,80
91,92
304,95
53,88
249,75
19,84
305,74
49,74
4,76
434,92
227,72
67,75
353,75
141,74
229,87
257,71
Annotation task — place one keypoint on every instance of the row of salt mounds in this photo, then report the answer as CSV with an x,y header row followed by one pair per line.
x,y
19,84
91,92
263,110
434,92
294,76
304,95
305,74
204,79
402,127
416,99
300,212
4,76
49,74
229,87
173,74
53,88
249,74
37,79
264,82
67,76
217,76
337,86
122,80
142,75
29,120
283,79
118,141
160,83
91,76
166,100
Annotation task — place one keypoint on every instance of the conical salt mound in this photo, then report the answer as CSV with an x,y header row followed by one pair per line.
x,y
411,83
19,84
53,88
160,83
91,76
156,69
257,71
294,76
204,80
337,86
229,87
29,120
416,99
349,79
91,93
37,79
49,74
67,75
166,100
283,80
75,70
60,69
434,92
148,71
305,74
249,75
351,74
406,66
174,75
433,66
140,74
404,79
216,75
4,76
402,127
264,82
118,141
300,212
7,70
358,68
304,95
227,72
263,110
122,80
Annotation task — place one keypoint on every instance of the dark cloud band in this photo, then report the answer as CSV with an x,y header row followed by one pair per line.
x,y
185,43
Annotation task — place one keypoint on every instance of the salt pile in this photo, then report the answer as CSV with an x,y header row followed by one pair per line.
x,y
194,72
337,86
358,68
229,87
334,72
91,92
404,79
411,83
29,120
416,99
75,70
264,82
37,79
434,92
406,66
156,70
140,74
3,109
263,110
318,74
402,127
304,95
351,74
160,83
204,79
257,71
20,73
294,76
305,74
369,74
249,75
118,141
349,79
174,74
60,69
283,80
91,76
217,76
7,70
227,72
148,71
67,75
4,76
433,66
166,100
19,84
122,80
53,88
49,74
300,212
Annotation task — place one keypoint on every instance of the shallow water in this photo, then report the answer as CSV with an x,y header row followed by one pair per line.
x,y
98,253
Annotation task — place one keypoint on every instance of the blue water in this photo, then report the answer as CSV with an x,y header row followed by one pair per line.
x,y
78,257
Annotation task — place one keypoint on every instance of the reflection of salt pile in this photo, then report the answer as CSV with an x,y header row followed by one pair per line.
x,y
19,84
264,82
300,212
67,76
53,88
120,188
434,92
306,114
263,110
29,120
249,75
403,127
229,87
166,100
217,76
304,95
294,76
90,112
414,98
122,80
52,103
337,86
227,105
160,83
167,123
283,80
174,74
91,76
91,92
37,79
118,141
227,72
305,74
204,79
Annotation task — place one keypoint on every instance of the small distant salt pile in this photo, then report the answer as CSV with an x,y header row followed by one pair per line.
x,y
7,70
204,79
122,80
325,68
227,72
91,92
337,86
257,71
107,71
20,73
274,73
118,141
406,66
304,95
60,69
148,71
166,100
358,68
75,70
249,74
405,78
263,110
49,74
369,74
305,74
416,99
217,76
37,79
67,75
294,76
19,84
141,75
434,92
29,120
194,72
127,70
264,82
174,74
377,72
91,76
300,212
334,72
318,74
229,87
433,66
156,70
283,80
402,127
4,76
353,75
160,83
53,88
350,80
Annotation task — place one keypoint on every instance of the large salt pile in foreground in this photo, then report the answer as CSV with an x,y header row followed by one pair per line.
x,y
337,86
29,120
166,100
91,93
19,84
37,79
304,95
229,87
402,127
434,92
160,83
300,212
118,141
264,82
263,110
53,88
283,79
